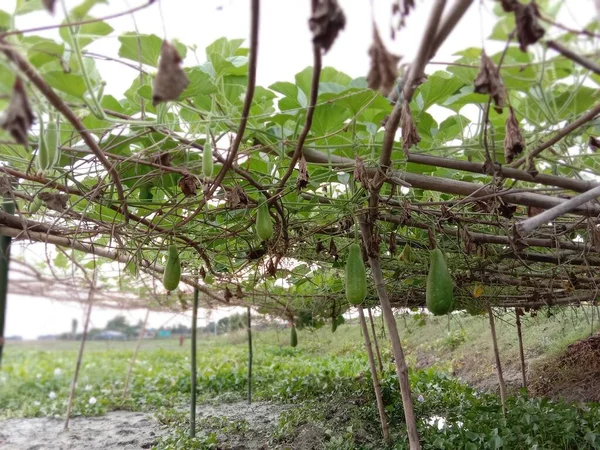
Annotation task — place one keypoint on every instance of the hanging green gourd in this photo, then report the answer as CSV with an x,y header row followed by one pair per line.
x,y
207,158
294,337
440,286
48,153
264,224
356,276
172,273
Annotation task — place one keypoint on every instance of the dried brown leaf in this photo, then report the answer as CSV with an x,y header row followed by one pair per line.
x,y
402,9
161,158
188,185
383,71
431,237
57,202
529,31
534,211
513,141
5,187
170,79
594,232
271,268
410,136
326,22
49,5
319,247
488,81
506,210
360,172
594,143
531,169
303,176
256,253
238,292
509,5
392,244
227,294
333,250
237,197
203,273
467,239
17,118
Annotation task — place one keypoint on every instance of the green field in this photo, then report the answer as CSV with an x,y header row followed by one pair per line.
x,y
326,378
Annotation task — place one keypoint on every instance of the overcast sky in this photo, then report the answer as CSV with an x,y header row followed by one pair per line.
x,y
284,50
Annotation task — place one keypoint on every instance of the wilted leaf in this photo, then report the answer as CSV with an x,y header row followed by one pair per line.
x,y
384,66
392,244
227,294
319,247
238,292
162,159
594,232
594,143
236,197
402,8
17,118
410,136
333,250
360,172
303,176
465,236
505,210
509,5
5,187
49,5
203,273
188,185
529,31
170,79
488,81
513,141
57,202
534,211
326,22
478,291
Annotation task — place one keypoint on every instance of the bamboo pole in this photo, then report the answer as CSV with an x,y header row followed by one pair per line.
x,y
518,312
376,386
5,241
390,320
375,341
86,325
134,357
497,356
194,365
249,356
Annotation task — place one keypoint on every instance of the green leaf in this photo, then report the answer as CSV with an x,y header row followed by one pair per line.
x,y
79,12
4,21
145,48
87,33
66,82
200,84
438,88
61,261
41,51
27,6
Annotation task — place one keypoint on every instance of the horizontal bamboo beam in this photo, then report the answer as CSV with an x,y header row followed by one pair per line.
x,y
504,172
456,187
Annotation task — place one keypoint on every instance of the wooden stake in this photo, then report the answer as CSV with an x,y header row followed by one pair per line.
x,y
249,356
374,376
5,241
134,357
390,320
518,312
194,366
375,341
497,356
86,324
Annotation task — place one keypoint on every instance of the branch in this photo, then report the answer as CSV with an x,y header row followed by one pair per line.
x,y
527,226
233,151
567,53
591,114
155,270
503,171
64,109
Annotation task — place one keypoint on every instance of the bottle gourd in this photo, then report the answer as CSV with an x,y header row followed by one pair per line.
x,y
439,295
356,276
172,273
264,225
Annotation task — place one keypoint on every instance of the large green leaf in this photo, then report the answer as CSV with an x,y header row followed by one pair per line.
x,y
66,82
145,48
437,89
41,51
86,34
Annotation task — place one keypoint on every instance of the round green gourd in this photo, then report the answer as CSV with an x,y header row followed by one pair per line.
x,y
207,159
264,225
172,273
293,337
440,286
356,276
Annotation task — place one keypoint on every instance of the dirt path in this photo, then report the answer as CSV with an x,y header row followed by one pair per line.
x,y
237,426
117,430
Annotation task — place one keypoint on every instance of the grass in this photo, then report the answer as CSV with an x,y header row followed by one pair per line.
x,y
326,376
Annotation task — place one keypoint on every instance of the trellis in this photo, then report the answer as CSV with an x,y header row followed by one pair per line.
x,y
129,179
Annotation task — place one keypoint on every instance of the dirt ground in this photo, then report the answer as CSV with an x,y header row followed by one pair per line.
x,y
124,430
117,430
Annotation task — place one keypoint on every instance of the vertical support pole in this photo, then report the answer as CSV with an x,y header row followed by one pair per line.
x,y
249,355
497,356
194,365
374,376
9,208
134,357
375,341
518,313
394,336
86,326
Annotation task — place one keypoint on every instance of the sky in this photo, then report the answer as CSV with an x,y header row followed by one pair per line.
x,y
284,50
